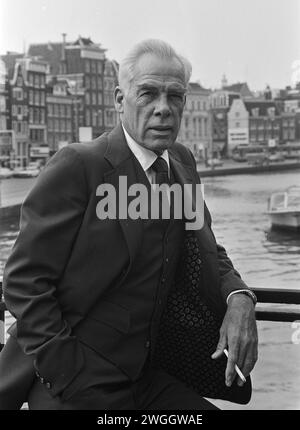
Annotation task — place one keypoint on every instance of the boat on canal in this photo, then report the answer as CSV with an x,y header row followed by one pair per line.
x,y
284,208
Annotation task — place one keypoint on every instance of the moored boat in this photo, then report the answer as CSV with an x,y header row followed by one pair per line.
x,y
284,208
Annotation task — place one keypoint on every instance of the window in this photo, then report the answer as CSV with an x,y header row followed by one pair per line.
x,y
56,125
50,109
94,119
18,93
20,110
93,67
237,125
31,97
100,98
99,67
36,81
56,110
87,82
42,117
31,115
36,98
87,98
30,79
42,81
94,98
87,118
42,98
62,110
99,82
87,66
109,118
93,82
237,114
36,116
199,127
68,111
100,121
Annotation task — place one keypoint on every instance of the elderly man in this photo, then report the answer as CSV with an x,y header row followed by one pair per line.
x,y
88,291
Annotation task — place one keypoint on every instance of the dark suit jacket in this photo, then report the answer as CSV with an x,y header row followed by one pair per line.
x,y
65,259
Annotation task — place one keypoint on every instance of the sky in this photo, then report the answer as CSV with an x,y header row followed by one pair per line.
x,y
257,41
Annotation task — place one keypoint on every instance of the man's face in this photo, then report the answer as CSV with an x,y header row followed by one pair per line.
x,y
151,109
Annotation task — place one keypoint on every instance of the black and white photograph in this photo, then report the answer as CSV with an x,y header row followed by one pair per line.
x,y
149,207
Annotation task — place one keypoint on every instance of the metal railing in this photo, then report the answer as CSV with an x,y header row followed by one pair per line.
x,y
268,296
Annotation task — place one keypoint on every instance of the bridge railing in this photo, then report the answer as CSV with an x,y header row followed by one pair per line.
x,y
266,309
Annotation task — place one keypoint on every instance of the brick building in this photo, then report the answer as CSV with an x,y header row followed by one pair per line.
x,y
84,62
59,103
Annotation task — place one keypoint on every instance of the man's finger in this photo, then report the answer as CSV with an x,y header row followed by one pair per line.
x,y
230,372
220,347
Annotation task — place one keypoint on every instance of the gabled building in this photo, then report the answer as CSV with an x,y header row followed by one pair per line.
x,y
238,124
59,103
111,116
264,122
6,134
27,95
220,102
84,62
195,125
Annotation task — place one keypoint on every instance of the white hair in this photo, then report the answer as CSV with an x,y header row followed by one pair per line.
x,y
156,47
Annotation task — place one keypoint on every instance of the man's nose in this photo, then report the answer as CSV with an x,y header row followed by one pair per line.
x,y
162,107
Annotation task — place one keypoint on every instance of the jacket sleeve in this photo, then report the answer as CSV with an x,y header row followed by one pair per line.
x,y
50,219
230,278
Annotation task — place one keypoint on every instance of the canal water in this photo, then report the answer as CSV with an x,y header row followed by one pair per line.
x,y
264,258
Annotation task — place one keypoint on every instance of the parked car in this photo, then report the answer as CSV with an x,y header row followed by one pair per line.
x,y
239,158
276,157
214,162
5,173
31,171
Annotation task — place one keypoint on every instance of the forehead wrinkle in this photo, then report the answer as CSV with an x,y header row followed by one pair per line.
x,y
160,84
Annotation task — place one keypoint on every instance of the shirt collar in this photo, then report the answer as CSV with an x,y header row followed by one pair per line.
x,y
145,156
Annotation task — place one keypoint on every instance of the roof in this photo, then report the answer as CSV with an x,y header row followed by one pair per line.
x,y
262,106
239,87
84,41
195,86
50,52
10,60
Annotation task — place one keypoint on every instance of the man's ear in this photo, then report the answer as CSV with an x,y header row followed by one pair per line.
x,y
119,99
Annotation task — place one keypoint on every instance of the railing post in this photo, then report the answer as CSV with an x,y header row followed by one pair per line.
x,y
2,323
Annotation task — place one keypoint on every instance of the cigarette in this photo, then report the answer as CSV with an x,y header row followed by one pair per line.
x,y
238,371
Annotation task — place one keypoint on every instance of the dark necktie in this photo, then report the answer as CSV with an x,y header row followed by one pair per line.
x,y
160,166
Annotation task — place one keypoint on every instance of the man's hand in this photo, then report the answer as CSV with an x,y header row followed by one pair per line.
x,y
238,333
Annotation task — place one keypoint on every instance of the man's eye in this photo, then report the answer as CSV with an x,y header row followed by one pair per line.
x,y
177,96
147,93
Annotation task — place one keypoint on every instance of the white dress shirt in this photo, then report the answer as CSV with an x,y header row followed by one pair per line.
x,y
145,156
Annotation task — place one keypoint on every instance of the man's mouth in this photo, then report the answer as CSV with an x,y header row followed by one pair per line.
x,y
162,128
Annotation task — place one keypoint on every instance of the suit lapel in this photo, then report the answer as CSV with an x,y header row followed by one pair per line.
x,y
121,158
